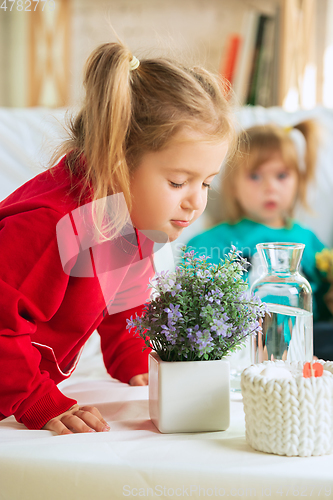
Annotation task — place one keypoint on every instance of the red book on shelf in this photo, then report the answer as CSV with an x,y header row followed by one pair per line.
x,y
229,59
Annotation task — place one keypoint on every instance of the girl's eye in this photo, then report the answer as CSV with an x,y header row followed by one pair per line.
x,y
282,175
254,177
175,185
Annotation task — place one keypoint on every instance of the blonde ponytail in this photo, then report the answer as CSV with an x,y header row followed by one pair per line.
x,y
106,119
309,129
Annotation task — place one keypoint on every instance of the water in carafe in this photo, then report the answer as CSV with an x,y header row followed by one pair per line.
x,y
287,331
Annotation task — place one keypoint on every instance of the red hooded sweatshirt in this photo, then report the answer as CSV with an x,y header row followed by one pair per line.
x,y
55,291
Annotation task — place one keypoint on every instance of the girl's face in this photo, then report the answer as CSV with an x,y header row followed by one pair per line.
x,y
169,187
267,194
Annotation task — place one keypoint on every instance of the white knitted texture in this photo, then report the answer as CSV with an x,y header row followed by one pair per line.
x,y
291,417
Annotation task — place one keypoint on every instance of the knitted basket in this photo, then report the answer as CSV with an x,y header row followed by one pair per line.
x,y
291,417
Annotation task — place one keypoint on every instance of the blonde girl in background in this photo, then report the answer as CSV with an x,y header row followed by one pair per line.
x,y
152,134
261,186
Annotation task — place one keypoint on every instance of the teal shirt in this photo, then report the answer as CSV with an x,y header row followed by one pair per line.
x,y
216,242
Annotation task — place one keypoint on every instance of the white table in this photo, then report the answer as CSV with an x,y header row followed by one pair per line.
x,y
135,460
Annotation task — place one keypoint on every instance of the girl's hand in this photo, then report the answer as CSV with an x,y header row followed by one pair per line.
x,y
78,419
141,379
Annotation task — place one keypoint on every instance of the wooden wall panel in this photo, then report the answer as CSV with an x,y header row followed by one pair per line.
x,y
49,55
298,21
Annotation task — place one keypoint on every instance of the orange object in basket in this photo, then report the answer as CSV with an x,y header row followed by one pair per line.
x,y
312,370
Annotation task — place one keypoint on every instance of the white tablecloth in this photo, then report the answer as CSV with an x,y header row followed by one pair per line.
x,y
135,460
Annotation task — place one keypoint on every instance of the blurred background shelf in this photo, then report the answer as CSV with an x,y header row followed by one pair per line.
x,y
274,52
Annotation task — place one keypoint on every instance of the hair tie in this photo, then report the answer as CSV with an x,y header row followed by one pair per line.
x,y
300,145
134,63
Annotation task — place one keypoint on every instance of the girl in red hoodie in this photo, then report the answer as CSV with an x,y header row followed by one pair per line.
x,y
76,241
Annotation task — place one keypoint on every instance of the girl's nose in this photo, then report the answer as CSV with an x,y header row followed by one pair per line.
x,y
270,184
194,201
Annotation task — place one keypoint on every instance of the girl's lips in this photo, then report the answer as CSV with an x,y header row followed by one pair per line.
x,y
270,205
181,223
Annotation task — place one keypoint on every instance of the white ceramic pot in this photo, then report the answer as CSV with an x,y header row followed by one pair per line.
x,y
189,396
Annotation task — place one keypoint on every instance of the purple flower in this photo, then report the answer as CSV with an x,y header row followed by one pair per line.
x,y
211,309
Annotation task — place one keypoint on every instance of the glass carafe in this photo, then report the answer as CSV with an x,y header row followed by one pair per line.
x,y
287,333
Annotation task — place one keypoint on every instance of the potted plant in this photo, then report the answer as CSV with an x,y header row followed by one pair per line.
x,y
197,315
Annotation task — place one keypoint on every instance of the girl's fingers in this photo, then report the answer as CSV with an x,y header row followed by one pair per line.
x,y
91,421
95,412
75,423
57,426
78,419
141,379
